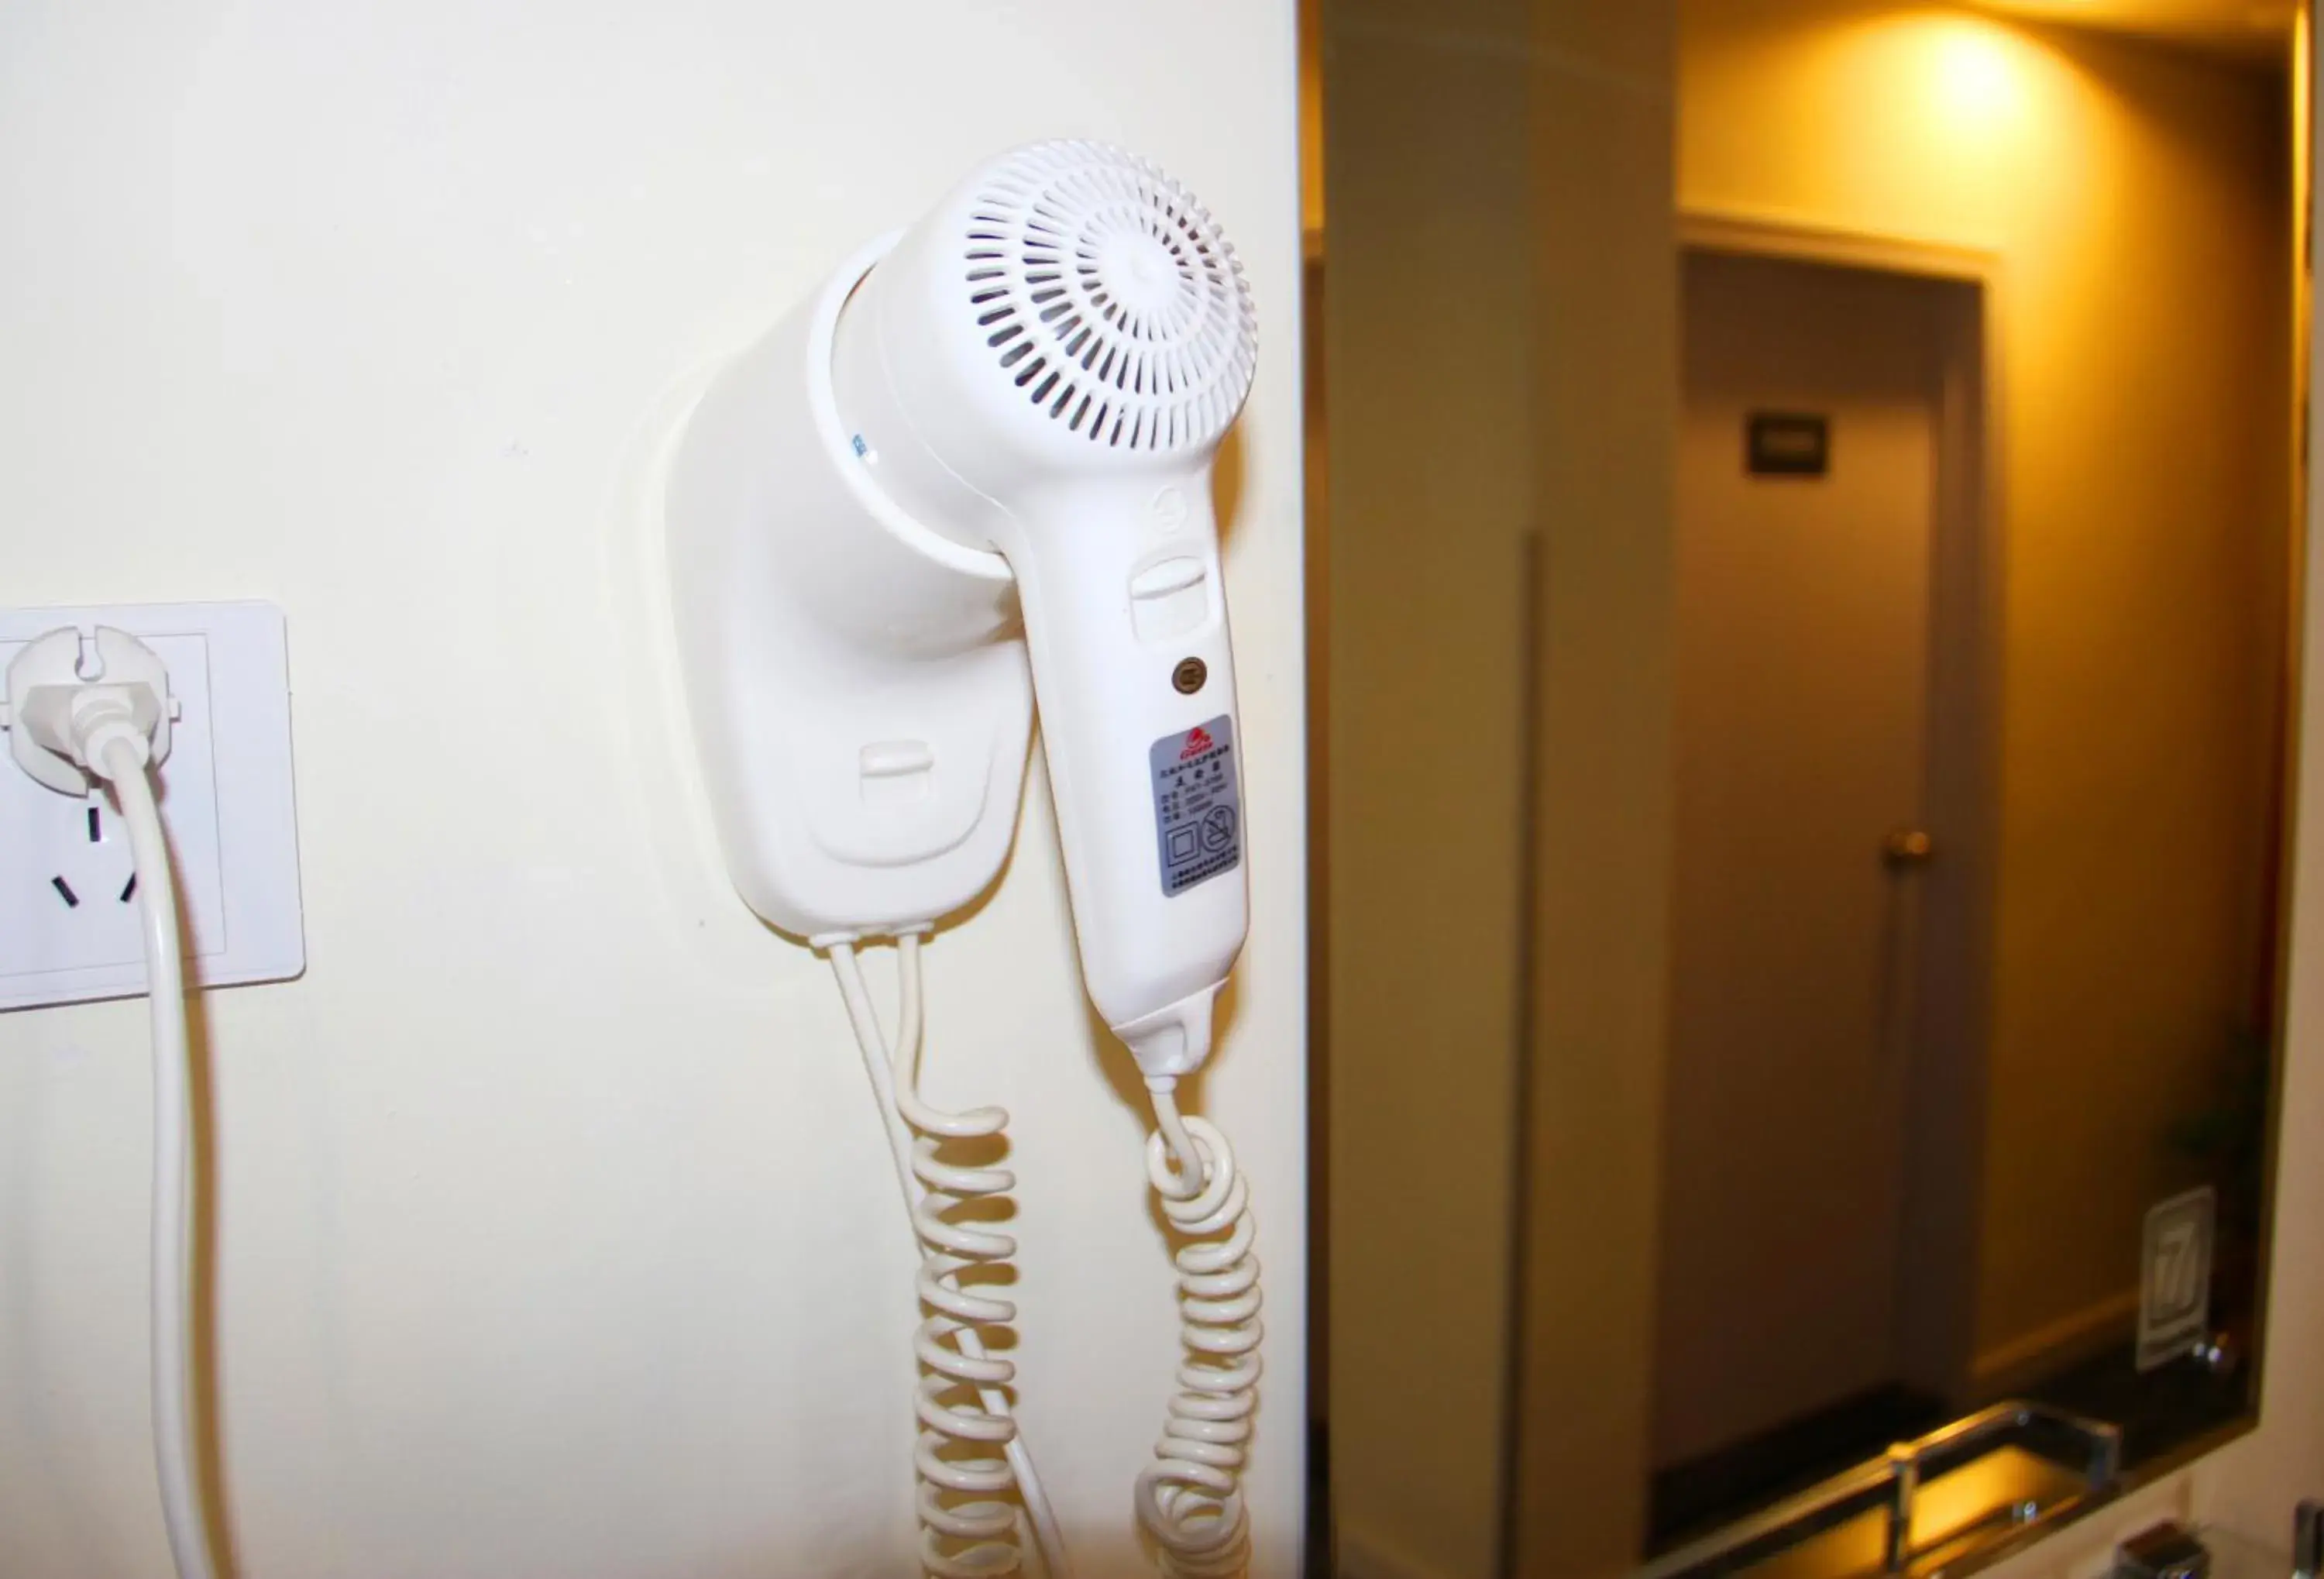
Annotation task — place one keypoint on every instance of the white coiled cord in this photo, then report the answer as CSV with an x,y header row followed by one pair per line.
x,y
1189,1500
1190,1497
967,1526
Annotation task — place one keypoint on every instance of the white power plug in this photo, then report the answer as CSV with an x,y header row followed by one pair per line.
x,y
59,719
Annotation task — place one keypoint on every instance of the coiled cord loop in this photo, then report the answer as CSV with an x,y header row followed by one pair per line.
x,y
1190,1497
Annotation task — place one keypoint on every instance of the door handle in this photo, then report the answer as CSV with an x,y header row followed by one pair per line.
x,y
1907,847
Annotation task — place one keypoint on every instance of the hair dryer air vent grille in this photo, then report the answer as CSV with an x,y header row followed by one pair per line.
x,y
1109,298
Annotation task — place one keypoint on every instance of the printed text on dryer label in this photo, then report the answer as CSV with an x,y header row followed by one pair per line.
x,y
1197,804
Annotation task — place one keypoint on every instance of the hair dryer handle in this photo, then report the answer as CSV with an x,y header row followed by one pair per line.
x,y
1133,675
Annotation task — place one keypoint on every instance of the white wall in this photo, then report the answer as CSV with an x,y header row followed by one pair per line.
x,y
554,1232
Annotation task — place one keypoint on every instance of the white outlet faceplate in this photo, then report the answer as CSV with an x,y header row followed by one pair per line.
x,y
68,927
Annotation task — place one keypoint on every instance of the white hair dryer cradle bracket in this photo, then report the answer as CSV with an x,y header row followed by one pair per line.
x,y
857,682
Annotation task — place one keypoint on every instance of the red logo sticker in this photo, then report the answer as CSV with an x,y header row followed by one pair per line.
x,y
1198,741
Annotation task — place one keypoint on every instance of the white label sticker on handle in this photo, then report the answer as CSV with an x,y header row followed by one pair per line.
x,y
1197,804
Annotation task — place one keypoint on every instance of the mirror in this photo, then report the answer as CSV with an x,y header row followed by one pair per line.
x,y
1801,576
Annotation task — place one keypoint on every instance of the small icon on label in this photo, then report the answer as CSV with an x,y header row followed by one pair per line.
x,y
1182,845
1218,828
1198,741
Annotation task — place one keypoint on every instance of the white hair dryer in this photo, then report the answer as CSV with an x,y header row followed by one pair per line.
x,y
1011,409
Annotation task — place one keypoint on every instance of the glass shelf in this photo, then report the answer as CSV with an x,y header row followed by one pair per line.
x,y
1938,1503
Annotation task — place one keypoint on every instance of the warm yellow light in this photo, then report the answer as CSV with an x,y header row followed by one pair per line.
x,y
1976,78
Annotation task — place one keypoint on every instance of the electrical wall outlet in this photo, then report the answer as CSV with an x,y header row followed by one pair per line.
x,y
68,921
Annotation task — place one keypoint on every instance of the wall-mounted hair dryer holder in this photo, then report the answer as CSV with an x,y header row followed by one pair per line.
x,y
976,468
857,682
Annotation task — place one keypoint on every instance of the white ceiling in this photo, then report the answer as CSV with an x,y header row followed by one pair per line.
x,y
2256,29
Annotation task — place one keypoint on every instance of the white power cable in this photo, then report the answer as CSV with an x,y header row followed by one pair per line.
x,y
64,728
1190,1497
967,1531
120,756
